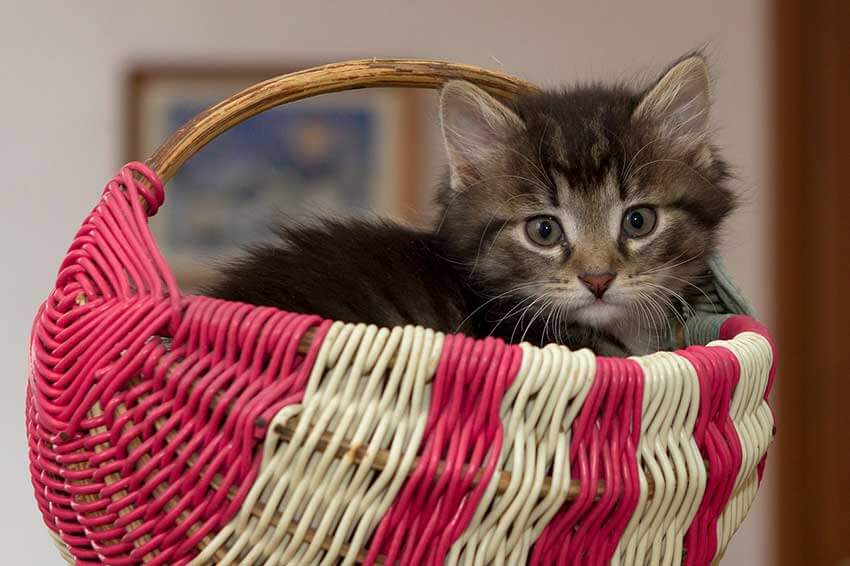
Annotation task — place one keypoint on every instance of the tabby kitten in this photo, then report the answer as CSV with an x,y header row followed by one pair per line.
x,y
584,216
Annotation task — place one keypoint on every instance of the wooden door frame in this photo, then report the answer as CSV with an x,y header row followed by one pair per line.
x,y
811,233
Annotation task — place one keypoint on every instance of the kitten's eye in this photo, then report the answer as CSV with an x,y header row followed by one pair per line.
x,y
639,222
544,231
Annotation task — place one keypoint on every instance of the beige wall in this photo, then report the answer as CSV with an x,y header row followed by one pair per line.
x,y
61,63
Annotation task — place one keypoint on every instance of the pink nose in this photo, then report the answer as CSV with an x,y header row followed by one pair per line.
x,y
598,283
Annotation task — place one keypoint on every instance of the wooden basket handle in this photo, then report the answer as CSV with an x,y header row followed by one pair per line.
x,y
349,75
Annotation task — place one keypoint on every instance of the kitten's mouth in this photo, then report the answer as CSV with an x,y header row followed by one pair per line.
x,y
599,313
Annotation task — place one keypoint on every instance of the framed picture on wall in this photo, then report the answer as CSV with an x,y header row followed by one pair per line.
x,y
351,153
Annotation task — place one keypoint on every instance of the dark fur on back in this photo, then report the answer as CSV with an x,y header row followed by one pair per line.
x,y
355,271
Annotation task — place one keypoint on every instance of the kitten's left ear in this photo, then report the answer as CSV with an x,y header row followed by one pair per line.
x,y
476,127
680,101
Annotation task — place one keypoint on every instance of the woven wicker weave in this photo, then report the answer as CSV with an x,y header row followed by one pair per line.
x,y
171,429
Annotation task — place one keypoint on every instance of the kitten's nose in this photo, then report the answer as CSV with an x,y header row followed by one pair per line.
x,y
598,283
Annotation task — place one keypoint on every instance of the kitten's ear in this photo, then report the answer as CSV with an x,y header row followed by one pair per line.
x,y
680,101
476,127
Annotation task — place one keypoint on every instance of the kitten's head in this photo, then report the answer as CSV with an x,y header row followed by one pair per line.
x,y
605,200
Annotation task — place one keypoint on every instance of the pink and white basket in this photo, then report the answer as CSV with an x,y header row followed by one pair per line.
x,y
172,429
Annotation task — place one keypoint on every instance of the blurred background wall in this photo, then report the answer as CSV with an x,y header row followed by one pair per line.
x,y
63,64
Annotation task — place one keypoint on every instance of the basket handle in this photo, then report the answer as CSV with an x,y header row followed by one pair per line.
x,y
349,75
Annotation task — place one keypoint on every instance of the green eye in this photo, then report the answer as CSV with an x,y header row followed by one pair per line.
x,y
544,231
639,222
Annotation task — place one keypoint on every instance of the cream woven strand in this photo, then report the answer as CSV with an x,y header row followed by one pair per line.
x,y
537,411
669,454
355,397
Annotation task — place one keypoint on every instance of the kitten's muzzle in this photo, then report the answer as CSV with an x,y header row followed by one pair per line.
x,y
597,283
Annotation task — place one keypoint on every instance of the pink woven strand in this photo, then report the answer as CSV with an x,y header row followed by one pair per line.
x,y
465,433
603,447
68,337
623,452
94,255
181,421
227,443
733,326
717,371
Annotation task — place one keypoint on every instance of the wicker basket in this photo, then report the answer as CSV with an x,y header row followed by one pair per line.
x,y
171,429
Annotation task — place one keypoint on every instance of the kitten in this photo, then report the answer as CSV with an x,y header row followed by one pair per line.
x,y
583,216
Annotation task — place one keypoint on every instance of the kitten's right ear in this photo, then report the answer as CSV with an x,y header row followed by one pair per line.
x,y
679,101
476,127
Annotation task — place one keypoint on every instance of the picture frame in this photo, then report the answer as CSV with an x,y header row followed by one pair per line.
x,y
346,154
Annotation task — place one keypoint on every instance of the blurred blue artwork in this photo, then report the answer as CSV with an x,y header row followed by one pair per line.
x,y
291,160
